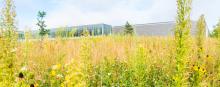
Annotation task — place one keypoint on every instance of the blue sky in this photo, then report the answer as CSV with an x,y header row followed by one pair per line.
x,y
62,13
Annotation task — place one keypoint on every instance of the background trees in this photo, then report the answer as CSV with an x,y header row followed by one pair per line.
x,y
216,31
129,30
41,24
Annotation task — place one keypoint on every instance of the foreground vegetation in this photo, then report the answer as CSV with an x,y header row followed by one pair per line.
x,y
112,61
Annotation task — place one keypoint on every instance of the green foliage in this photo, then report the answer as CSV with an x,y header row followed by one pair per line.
x,y
156,77
74,76
64,33
197,75
85,32
72,32
201,34
60,33
8,42
140,66
216,31
41,24
129,30
24,78
54,77
198,72
182,36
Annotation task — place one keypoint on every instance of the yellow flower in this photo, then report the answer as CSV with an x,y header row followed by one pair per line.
x,y
202,70
53,73
36,85
196,68
58,66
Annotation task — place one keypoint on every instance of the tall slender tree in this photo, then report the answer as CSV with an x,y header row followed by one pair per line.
x,y
182,35
41,24
129,30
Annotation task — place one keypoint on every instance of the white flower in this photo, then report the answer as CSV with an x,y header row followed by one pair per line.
x,y
24,68
13,50
59,76
109,74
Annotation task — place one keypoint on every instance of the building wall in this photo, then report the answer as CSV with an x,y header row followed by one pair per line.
x,y
94,30
154,29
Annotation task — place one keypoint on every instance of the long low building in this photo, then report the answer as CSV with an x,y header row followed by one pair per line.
x,y
155,29
149,29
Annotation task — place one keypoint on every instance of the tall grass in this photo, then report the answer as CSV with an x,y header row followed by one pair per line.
x,y
201,35
199,71
8,44
182,39
112,61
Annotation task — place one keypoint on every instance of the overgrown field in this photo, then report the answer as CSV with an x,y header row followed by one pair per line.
x,y
113,61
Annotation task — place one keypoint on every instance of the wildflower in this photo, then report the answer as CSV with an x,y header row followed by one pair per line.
x,y
21,75
32,85
67,78
202,70
109,74
195,68
201,49
53,73
36,85
24,68
59,76
175,78
207,56
13,50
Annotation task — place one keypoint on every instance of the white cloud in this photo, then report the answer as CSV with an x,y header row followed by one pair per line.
x,y
209,8
114,12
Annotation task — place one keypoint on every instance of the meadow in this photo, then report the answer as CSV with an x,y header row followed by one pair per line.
x,y
125,60
112,61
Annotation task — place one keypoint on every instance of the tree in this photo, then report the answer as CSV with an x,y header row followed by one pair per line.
x,y
216,32
41,24
60,33
182,35
129,30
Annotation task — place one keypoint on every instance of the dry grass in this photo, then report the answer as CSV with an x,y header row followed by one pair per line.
x,y
159,53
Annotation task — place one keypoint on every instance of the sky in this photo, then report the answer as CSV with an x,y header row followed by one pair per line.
x,y
62,13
